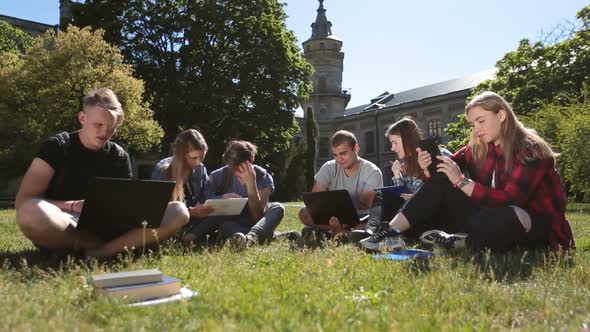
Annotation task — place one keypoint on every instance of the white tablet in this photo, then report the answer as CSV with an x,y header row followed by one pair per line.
x,y
227,206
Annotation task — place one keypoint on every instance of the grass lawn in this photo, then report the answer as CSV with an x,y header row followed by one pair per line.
x,y
284,287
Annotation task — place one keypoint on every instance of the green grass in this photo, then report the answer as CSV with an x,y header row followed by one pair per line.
x,y
280,287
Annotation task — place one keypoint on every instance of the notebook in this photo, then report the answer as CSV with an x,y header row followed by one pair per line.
x,y
227,206
115,206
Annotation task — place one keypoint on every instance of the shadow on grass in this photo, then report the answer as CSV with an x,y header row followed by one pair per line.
x,y
514,266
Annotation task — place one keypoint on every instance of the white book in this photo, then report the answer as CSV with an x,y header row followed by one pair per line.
x,y
126,278
227,206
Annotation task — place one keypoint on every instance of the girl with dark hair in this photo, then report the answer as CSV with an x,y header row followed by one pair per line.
x,y
499,192
240,178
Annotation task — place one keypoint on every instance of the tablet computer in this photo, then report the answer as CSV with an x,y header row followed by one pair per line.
x,y
325,204
431,145
113,206
226,206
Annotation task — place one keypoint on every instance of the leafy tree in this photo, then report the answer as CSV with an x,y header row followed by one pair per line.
x,y
13,40
459,132
537,74
228,67
42,92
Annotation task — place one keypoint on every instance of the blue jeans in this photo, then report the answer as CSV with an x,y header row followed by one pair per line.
x,y
230,225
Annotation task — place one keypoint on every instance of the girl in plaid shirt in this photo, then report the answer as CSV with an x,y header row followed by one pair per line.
x,y
501,191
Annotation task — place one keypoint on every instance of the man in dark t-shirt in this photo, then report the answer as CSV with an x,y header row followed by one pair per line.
x,y
51,195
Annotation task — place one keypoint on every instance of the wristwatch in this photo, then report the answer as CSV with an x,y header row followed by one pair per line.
x,y
463,182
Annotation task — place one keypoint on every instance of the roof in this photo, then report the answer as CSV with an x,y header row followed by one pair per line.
x,y
424,92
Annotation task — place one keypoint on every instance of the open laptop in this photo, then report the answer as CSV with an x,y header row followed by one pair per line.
x,y
115,206
325,204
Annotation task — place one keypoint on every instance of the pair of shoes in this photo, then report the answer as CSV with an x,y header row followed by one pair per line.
x,y
384,240
444,240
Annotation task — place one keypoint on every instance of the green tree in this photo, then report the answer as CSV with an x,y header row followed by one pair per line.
x,y
228,67
459,132
537,74
41,94
13,40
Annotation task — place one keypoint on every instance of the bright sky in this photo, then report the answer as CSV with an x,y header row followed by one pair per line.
x,y
393,45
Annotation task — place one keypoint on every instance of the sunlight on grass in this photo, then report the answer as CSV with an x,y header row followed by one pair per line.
x,y
284,286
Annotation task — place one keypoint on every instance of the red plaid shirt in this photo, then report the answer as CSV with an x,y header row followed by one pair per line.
x,y
534,186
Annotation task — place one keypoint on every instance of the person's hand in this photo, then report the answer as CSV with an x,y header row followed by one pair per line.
x,y
335,225
406,196
396,169
77,206
450,168
424,160
245,172
200,210
231,195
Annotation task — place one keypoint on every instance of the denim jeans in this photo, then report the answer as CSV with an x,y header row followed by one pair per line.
x,y
227,226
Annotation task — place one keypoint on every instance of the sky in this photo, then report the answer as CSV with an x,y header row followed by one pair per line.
x,y
392,45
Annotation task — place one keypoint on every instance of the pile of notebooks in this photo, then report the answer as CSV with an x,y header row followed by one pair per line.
x,y
141,286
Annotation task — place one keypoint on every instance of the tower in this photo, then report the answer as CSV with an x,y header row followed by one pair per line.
x,y
323,51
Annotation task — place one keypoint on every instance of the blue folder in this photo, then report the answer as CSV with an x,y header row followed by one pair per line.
x,y
402,255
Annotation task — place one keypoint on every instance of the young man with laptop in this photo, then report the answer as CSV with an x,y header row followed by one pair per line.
x,y
348,171
54,188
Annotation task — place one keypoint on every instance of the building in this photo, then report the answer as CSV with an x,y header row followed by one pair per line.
x,y
432,106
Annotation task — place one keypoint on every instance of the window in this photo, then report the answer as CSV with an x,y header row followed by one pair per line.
x,y
434,128
322,84
322,46
308,48
369,142
324,150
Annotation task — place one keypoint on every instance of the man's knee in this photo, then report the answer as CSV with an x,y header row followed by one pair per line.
x,y
277,209
305,217
32,217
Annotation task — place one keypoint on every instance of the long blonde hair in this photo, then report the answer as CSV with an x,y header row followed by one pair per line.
x,y
179,170
517,140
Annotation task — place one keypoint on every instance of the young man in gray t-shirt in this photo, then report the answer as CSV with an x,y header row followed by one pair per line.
x,y
347,171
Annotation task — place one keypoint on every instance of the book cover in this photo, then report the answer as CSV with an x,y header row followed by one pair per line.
x,y
126,278
139,292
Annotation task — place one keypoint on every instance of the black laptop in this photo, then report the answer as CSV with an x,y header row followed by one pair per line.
x,y
115,206
325,204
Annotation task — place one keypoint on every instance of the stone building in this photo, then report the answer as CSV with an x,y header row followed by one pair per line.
x,y
432,106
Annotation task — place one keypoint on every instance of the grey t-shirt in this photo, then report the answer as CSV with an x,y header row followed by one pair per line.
x,y
366,178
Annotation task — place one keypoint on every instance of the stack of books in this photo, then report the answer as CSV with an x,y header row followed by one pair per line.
x,y
141,285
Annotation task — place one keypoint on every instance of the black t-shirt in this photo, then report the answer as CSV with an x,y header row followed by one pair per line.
x,y
75,165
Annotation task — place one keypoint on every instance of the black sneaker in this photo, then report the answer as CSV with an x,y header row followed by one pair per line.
x,y
385,239
291,236
444,240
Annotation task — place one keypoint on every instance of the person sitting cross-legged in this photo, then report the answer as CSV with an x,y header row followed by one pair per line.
x,y
347,171
241,178
51,195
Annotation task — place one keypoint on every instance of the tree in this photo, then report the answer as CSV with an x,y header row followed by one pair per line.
x,y
227,67
537,74
13,40
459,132
311,141
41,94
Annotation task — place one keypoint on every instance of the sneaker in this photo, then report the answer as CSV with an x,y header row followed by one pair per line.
x,y
358,234
251,239
443,239
238,241
291,236
385,239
